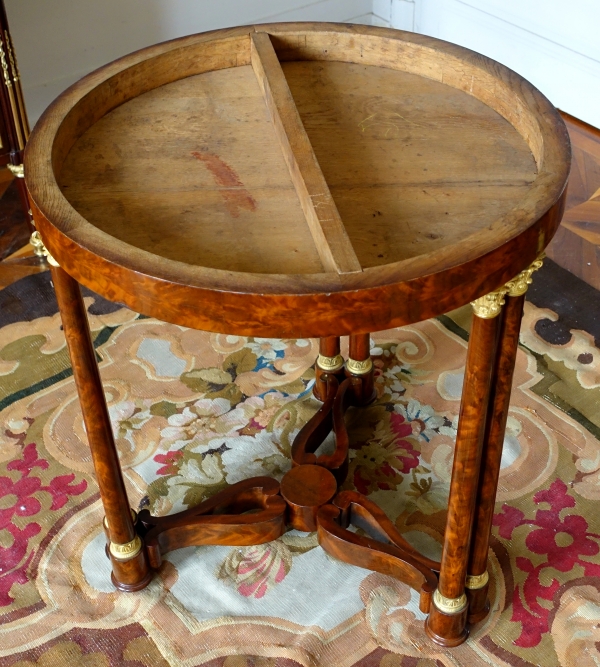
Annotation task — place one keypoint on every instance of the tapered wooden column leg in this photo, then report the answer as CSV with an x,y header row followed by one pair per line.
x,y
329,361
447,621
359,365
126,550
477,574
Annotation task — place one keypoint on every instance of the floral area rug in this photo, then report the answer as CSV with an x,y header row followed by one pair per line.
x,y
194,412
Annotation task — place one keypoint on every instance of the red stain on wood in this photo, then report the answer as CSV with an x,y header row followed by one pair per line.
x,y
234,193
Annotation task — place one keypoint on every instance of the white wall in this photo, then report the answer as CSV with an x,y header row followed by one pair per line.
x,y
394,14
552,43
59,41
556,45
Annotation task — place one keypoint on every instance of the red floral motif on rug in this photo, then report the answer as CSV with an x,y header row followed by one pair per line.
x,y
194,412
564,542
21,498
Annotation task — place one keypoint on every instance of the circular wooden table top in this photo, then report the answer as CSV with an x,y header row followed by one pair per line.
x,y
298,179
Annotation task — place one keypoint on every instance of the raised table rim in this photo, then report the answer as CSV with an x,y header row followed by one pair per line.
x,y
386,295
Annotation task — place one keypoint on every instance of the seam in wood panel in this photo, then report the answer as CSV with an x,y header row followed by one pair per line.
x,y
323,219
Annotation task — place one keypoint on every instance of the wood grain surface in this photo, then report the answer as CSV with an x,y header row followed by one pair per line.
x,y
413,165
192,171
450,628
304,180
382,549
327,229
167,183
245,513
132,574
493,443
576,244
305,489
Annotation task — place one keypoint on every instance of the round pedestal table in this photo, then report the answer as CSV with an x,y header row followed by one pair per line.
x,y
306,180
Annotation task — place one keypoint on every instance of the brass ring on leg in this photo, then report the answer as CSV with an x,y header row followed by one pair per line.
x,y
128,550
476,587
476,581
357,367
449,605
330,364
446,624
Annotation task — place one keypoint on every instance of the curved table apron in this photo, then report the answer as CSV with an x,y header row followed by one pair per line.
x,y
306,180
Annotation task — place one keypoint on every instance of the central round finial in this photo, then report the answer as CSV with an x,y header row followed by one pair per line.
x,y
306,488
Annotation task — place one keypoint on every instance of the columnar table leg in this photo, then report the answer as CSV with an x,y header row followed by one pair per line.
x,y
127,553
359,365
478,578
447,621
329,361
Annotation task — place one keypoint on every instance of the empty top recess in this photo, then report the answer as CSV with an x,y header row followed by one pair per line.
x,y
299,159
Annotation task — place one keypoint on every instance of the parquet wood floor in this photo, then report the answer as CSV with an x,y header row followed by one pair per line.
x,y
576,246
18,259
